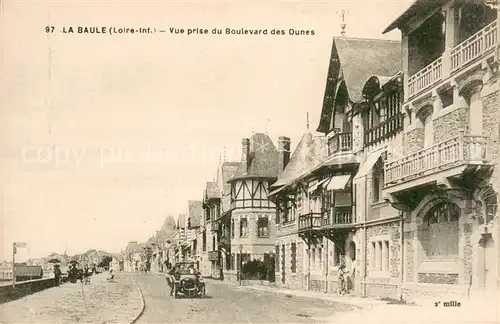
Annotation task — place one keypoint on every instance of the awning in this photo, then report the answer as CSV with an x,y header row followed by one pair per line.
x,y
316,186
338,182
369,163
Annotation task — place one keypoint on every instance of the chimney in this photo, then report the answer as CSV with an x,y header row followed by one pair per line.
x,y
283,152
245,150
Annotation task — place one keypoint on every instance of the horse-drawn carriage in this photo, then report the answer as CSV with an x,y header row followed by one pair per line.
x,y
186,281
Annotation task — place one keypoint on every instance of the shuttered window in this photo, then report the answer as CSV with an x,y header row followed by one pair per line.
x,y
294,257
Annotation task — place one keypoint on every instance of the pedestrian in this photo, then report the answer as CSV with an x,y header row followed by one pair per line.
x,y
57,275
342,282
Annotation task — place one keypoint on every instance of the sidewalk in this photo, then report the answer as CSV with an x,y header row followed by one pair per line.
x,y
476,312
99,302
355,301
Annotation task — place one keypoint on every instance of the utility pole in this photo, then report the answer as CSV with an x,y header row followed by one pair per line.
x,y
14,265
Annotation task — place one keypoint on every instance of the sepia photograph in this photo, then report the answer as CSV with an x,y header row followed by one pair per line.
x,y
267,161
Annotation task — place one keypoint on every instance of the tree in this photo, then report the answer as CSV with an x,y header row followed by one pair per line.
x,y
105,261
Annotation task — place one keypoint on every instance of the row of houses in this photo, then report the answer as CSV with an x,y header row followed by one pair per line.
x,y
398,183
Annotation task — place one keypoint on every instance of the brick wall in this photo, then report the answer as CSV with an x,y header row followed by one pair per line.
x,y
414,140
449,125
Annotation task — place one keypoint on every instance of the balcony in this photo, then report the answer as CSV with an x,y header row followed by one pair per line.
x,y
384,130
341,218
458,151
213,255
340,142
214,226
225,240
451,62
309,222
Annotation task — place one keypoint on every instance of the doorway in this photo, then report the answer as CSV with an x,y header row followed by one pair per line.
x,y
351,266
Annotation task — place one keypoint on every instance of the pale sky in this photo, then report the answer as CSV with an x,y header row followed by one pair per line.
x,y
103,136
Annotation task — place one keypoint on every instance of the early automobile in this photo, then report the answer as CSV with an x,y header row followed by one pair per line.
x,y
188,281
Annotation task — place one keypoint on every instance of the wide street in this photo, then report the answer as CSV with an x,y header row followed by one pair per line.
x,y
231,304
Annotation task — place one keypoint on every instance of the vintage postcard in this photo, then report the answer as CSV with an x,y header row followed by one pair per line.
x,y
250,161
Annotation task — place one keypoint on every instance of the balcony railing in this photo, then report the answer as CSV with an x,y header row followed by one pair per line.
x,y
340,217
474,46
458,150
425,77
213,255
384,130
340,142
214,226
225,240
309,221
462,54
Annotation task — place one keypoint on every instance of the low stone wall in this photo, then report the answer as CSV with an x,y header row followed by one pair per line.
x,y
24,288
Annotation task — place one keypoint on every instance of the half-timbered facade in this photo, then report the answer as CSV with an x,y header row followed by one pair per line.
x,y
252,213
444,181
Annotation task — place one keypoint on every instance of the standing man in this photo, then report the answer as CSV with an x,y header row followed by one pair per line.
x,y
57,275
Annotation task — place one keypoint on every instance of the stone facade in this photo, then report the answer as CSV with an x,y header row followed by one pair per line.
x,y
414,140
287,278
450,124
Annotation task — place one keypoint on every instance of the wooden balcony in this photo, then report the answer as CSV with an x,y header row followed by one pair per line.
x,y
214,226
451,62
459,151
384,130
339,143
338,219
309,222
225,240
213,255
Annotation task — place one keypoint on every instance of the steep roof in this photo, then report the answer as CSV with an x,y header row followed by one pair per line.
x,y
262,160
352,62
310,152
227,170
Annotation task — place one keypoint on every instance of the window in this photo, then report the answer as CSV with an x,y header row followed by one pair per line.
x,y
243,227
441,236
313,259
428,131
213,243
233,261
378,182
277,260
338,255
263,227
228,262
294,257
288,210
204,238
232,228
379,262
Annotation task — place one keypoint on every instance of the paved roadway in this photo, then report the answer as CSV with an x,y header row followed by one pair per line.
x,y
231,304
